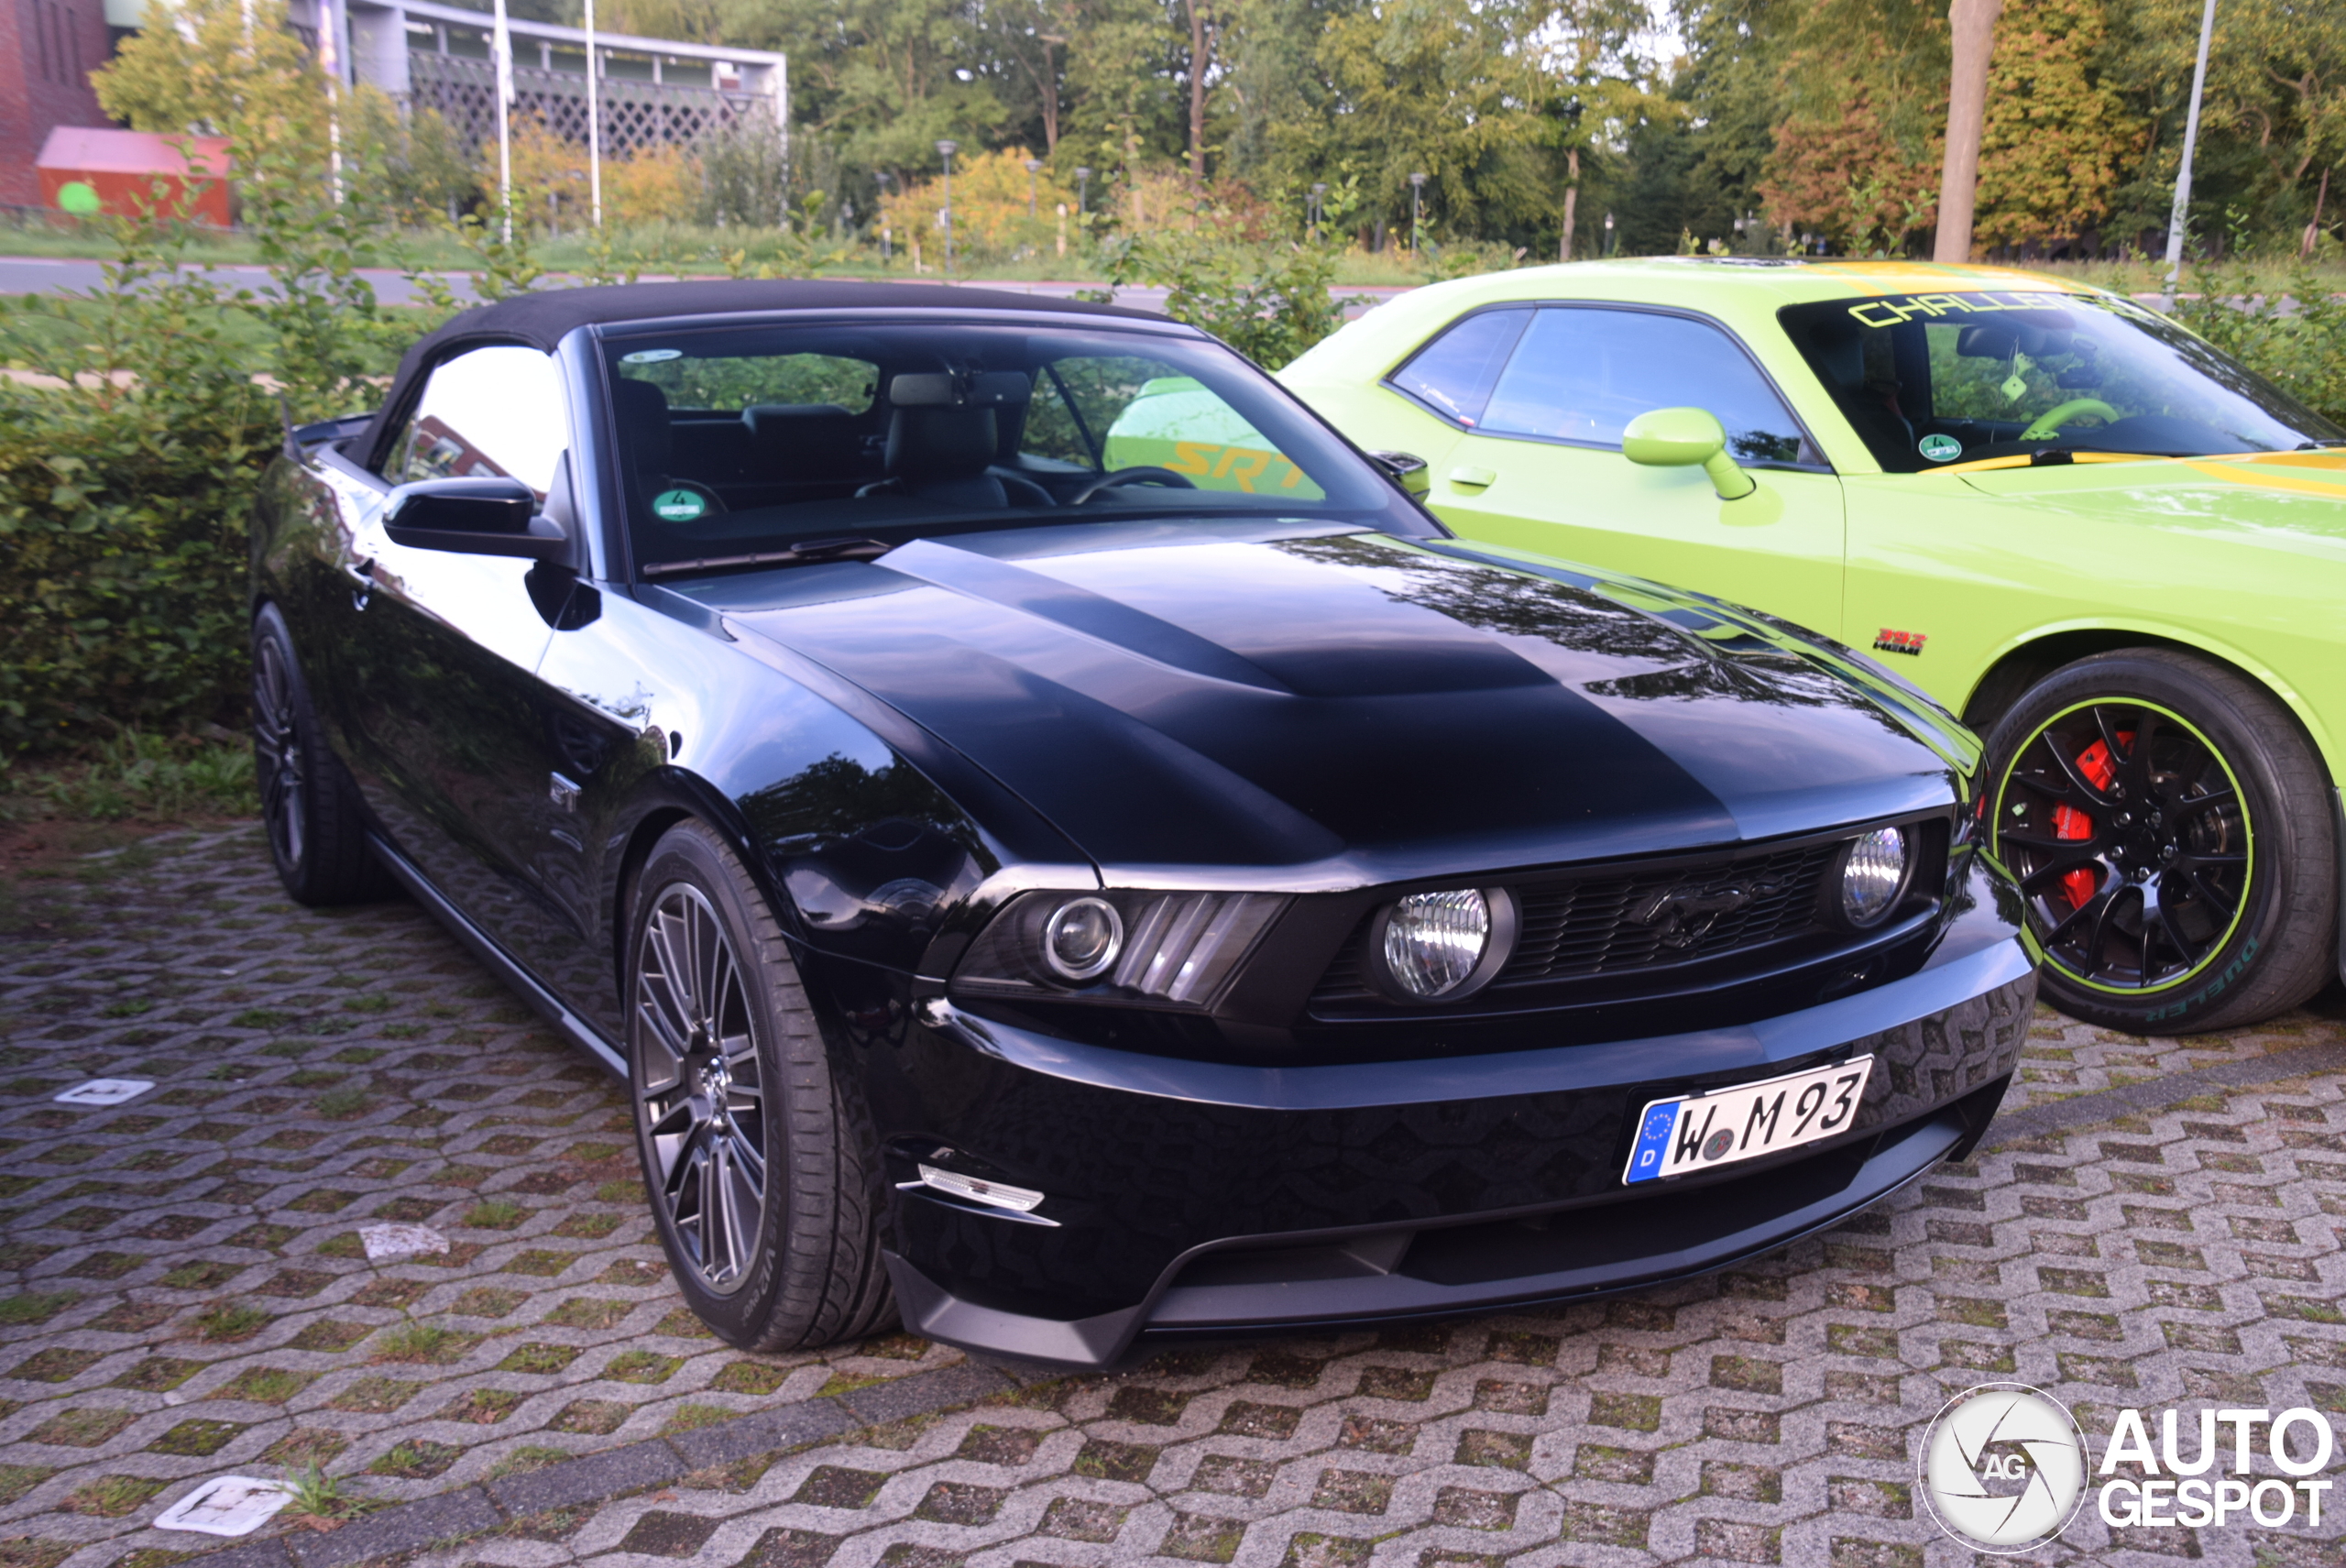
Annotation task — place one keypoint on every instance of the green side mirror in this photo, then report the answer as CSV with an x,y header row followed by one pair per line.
x,y
1680,438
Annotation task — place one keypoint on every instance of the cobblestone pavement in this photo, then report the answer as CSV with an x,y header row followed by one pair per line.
x,y
1769,1414
183,1292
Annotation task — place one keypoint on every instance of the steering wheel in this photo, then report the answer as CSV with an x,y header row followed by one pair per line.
x,y
2054,418
1148,474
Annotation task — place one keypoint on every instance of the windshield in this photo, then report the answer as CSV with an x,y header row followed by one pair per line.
x,y
1929,379
745,444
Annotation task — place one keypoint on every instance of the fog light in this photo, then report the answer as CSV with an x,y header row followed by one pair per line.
x,y
1873,873
1435,942
1082,937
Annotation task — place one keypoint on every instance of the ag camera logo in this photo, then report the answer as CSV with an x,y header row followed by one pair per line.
x,y
2003,1467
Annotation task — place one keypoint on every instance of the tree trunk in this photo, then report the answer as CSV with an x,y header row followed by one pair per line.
x,y
1973,23
1201,61
1571,203
2313,229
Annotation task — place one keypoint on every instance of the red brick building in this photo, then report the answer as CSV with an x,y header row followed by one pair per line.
x,y
48,48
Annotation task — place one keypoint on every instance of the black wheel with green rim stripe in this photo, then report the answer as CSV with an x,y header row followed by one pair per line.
x,y
2171,832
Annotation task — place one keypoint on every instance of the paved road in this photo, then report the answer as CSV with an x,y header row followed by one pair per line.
x,y
41,275
321,1071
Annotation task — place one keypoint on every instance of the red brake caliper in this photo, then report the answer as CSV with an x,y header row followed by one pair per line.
x,y
2068,822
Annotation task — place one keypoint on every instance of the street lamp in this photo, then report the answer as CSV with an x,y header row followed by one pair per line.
x,y
1034,167
1082,189
946,149
1319,207
1416,189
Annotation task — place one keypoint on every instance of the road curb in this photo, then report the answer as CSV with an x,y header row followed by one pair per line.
x,y
616,1471
2157,1094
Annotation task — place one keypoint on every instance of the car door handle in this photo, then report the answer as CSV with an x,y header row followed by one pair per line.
x,y
1467,478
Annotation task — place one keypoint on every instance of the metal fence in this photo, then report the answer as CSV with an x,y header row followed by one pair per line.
x,y
634,114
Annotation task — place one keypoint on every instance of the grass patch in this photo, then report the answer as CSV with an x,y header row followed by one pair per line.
x,y
321,1501
35,1308
227,1321
691,1417
422,1343
494,1215
415,1459
111,1497
339,1104
525,1459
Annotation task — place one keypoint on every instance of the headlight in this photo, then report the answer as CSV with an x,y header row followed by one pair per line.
x,y
1122,943
1873,874
1082,937
1438,947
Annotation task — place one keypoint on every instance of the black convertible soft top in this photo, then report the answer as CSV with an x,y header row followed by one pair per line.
x,y
541,320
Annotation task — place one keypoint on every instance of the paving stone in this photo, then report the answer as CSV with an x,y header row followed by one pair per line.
x,y
315,1070
1767,1415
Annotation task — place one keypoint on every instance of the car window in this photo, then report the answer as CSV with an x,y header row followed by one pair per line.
x,y
1453,375
490,413
1935,378
752,442
1581,374
1145,413
729,385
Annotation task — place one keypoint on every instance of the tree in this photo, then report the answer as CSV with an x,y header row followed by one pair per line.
x,y
2058,137
1972,24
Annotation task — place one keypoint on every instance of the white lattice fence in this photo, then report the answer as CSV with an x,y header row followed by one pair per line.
x,y
634,114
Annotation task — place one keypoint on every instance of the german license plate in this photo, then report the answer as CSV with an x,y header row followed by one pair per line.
x,y
1698,1131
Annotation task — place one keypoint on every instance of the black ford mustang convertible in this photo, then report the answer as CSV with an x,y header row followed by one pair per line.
x,y
1062,848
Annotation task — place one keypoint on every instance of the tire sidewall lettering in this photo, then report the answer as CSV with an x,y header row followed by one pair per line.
x,y
2211,990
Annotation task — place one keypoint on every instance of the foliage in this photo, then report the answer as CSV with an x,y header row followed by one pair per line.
x,y
1270,302
122,485
990,207
2294,337
2059,135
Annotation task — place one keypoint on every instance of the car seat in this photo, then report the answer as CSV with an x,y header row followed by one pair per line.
x,y
943,439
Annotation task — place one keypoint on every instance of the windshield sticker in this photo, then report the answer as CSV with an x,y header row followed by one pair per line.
x,y
1940,448
678,506
1890,313
652,355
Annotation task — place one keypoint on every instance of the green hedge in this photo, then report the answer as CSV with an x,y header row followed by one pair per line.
x,y
122,521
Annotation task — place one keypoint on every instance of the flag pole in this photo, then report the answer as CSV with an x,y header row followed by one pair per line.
x,y
594,122
2179,221
504,48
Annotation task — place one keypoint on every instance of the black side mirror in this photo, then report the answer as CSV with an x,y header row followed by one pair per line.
x,y
474,517
1408,472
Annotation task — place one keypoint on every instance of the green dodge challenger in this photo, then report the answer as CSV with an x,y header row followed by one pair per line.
x,y
2119,553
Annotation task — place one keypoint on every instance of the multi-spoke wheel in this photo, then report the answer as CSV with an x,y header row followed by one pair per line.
x,y
703,1108
756,1160
2172,839
316,836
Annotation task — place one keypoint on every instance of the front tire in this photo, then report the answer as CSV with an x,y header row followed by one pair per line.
x,y
2172,834
760,1175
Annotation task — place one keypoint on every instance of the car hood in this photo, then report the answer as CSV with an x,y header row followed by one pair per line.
x,y
2293,503
1193,697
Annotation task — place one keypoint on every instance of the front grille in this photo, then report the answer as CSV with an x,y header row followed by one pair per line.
x,y
1587,927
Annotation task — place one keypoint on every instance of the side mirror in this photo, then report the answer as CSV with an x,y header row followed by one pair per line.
x,y
1405,470
1682,438
474,517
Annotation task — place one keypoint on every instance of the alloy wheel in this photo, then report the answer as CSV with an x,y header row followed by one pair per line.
x,y
700,1093
2127,832
276,754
